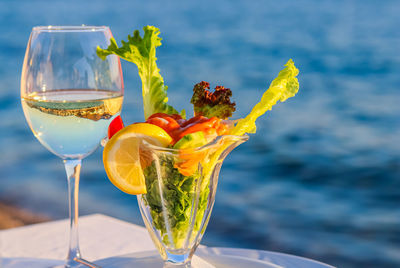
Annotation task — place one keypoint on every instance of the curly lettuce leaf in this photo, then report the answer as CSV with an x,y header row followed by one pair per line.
x,y
142,52
284,86
210,104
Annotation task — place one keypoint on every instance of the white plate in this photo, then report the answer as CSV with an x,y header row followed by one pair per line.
x,y
280,259
152,259
226,261
219,257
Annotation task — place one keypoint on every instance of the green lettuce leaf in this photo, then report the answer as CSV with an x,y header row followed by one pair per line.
x,y
284,86
178,193
142,52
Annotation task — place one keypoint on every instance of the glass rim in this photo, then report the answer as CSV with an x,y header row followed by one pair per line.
x,y
212,143
71,28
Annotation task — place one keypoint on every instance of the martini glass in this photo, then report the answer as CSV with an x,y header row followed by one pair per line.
x,y
181,186
69,97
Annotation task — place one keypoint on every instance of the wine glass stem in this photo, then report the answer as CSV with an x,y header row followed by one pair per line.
x,y
73,169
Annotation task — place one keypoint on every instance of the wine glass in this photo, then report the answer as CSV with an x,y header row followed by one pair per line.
x,y
69,97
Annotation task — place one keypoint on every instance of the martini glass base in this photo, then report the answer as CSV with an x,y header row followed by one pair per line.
x,y
177,260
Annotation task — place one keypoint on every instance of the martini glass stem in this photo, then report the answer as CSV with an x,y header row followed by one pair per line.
x,y
73,169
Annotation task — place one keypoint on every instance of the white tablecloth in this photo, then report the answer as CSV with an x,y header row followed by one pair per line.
x,y
100,237
103,237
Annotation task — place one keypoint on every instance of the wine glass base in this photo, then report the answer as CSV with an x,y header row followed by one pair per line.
x,y
77,262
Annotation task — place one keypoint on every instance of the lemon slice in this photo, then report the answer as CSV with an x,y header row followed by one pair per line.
x,y
121,155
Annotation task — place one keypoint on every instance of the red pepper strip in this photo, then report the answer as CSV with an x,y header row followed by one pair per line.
x,y
115,126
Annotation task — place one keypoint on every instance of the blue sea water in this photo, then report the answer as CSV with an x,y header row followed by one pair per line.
x,y
320,179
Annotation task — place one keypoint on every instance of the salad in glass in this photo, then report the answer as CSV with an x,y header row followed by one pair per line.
x,y
172,162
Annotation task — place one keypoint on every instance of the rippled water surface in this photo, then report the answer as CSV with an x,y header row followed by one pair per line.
x,y
320,179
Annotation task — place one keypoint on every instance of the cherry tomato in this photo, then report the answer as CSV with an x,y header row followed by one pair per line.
x,y
163,115
164,121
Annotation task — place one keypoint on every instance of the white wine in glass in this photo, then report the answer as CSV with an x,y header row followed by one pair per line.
x,y
69,97
71,122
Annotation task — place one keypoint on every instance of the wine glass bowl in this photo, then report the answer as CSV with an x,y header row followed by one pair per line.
x,y
69,96
181,186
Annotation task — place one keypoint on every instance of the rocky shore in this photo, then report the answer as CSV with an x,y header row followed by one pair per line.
x,y
13,216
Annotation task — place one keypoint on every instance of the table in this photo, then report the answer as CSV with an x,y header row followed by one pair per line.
x,y
103,237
